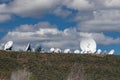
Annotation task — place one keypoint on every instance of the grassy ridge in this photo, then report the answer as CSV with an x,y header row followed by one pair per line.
x,y
60,66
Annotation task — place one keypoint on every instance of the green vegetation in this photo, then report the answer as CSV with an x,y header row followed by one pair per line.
x,y
60,66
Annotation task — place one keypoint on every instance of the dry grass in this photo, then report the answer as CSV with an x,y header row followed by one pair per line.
x,y
60,66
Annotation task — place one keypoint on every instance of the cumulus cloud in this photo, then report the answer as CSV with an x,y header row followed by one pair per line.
x,y
28,8
79,4
45,33
4,17
62,12
36,8
103,20
96,15
112,3
49,36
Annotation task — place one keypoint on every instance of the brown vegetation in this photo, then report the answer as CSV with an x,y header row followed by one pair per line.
x,y
60,66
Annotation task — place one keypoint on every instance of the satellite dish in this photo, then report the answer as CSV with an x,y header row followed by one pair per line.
x,y
28,48
8,45
111,52
82,52
77,51
88,45
105,52
85,52
99,51
67,51
58,50
38,48
52,50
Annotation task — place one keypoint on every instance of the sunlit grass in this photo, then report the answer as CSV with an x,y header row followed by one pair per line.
x,y
60,66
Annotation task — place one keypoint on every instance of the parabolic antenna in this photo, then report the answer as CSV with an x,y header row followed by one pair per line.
x,y
99,51
82,52
88,45
111,52
58,50
28,48
38,48
8,45
52,50
105,52
67,51
77,51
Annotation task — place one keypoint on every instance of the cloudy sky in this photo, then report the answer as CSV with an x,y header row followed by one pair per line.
x,y
60,23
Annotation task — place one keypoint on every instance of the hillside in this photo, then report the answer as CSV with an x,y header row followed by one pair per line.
x,y
36,66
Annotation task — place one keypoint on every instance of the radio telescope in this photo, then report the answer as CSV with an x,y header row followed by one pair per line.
x,y
111,52
52,50
82,52
57,50
99,51
105,52
28,48
88,45
38,48
77,51
8,45
67,51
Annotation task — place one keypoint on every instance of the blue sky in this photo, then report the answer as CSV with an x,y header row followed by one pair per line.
x,y
60,23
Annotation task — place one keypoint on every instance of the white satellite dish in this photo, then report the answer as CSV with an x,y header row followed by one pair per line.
x,y
38,48
105,52
57,50
8,45
88,45
67,51
28,48
77,51
52,50
99,51
85,52
82,52
111,52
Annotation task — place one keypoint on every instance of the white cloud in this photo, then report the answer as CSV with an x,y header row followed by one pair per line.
x,y
4,17
62,12
103,20
28,8
49,36
79,4
2,7
36,8
112,3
